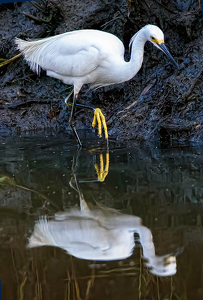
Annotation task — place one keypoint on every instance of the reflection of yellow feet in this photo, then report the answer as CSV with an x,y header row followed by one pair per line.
x,y
102,173
100,119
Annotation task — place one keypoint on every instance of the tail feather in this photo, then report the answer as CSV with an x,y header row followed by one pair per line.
x,y
31,52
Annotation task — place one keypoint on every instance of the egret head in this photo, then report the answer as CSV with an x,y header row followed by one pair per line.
x,y
155,35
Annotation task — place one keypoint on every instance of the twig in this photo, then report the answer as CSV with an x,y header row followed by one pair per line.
x,y
27,103
36,19
168,9
186,95
24,77
39,7
7,61
20,289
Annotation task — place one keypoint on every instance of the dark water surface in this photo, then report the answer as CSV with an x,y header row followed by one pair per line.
x,y
136,233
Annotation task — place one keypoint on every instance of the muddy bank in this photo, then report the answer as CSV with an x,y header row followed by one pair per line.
x,y
167,103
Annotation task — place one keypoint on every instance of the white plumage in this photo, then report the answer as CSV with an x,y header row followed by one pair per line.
x,y
99,234
95,235
90,57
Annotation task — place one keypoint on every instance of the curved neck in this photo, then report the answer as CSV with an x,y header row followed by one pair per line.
x,y
137,49
122,70
131,68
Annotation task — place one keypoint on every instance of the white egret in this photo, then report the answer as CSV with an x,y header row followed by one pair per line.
x,y
99,234
90,57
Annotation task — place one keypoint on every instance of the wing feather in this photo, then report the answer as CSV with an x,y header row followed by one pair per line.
x,y
70,54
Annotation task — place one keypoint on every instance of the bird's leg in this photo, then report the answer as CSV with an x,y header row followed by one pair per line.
x,y
83,205
72,127
67,103
98,117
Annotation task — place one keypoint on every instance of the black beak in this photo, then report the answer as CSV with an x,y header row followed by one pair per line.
x,y
165,50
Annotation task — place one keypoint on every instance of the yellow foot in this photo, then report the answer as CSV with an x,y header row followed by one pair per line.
x,y
99,117
102,173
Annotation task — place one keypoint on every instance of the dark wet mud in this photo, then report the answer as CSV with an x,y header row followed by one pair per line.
x,y
167,103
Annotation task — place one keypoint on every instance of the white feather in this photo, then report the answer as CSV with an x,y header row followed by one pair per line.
x,y
87,56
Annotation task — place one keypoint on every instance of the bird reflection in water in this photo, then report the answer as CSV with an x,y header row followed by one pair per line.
x,y
100,234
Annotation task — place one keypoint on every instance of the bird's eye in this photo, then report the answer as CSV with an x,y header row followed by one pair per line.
x,y
153,38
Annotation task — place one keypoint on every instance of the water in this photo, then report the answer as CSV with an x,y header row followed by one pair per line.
x,y
134,234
